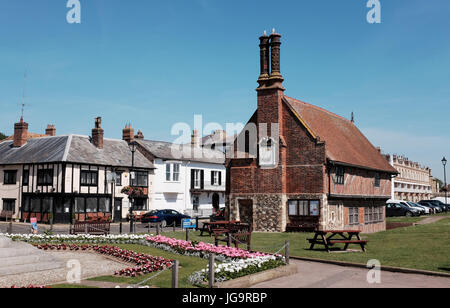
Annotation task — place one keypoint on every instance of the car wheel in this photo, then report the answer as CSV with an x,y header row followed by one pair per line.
x,y
163,223
408,214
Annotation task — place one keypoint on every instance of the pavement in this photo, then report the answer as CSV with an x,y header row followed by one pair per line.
x,y
321,275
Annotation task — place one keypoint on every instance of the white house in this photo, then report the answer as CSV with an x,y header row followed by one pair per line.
x,y
187,178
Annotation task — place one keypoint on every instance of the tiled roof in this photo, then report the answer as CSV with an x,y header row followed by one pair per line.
x,y
187,152
344,141
71,148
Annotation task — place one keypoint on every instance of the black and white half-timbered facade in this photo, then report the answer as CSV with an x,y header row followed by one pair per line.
x,y
71,177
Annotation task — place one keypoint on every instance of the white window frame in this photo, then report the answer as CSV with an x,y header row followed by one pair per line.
x,y
197,178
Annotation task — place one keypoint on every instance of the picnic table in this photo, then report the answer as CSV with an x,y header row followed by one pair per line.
x,y
217,226
328,238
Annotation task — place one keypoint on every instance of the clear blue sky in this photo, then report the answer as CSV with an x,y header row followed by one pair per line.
x,y
156,63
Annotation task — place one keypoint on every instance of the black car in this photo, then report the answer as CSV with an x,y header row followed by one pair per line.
x,y
165,217
437,208
398,209
442,205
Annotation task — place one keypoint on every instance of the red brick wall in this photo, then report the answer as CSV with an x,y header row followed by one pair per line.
x,y
360,182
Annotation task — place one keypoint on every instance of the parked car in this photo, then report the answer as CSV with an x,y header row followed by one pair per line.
x,y
437,209
398,209
165,217
445,207
426,209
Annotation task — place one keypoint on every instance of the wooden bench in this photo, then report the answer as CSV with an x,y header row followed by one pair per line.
x,y
91,227
320,238
6,214
236,234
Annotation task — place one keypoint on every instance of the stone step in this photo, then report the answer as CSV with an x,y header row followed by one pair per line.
x,y
5,242
29,268
25,259
18,251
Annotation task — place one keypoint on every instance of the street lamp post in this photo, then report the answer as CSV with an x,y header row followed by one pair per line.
x,y
444,163
132,146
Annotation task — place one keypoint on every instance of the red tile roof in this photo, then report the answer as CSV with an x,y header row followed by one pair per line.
x,y
344,141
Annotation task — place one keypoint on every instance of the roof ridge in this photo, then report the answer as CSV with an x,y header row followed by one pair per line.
x,y
319,108
66,150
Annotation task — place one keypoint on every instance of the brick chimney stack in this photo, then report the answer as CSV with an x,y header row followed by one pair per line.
x,y
195,139
50,130
20,133
97,133
264,60
275,78
128,133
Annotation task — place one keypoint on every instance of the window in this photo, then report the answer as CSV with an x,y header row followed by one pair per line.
x,y
267,152
173,172
9,205
140,204
47,205
35,205
26,178
79,206
91,205
88,178
140,179
196,178
353,215
216,178
176,172
373,214
377,180
340,175
103,205
45,177
168,172
10,177
26,204
118,178
304,207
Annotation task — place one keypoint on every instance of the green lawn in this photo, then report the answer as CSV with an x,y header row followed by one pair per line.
x,y
188,265
424,247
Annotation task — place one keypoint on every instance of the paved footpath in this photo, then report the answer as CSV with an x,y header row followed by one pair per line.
x,y
321,275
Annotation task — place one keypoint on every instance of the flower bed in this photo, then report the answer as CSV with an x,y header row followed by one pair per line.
x,y
233,262
78,239
200,249
237,268
145,263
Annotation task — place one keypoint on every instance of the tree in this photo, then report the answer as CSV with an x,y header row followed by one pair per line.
x,y
2,136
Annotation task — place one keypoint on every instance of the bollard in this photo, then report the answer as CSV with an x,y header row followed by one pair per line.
x,y
187,235
196,224
175,267
157,228
120,226
174,226
286,253
211,270
10,227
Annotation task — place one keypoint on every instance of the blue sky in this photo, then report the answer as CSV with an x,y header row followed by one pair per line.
x,y
155,63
